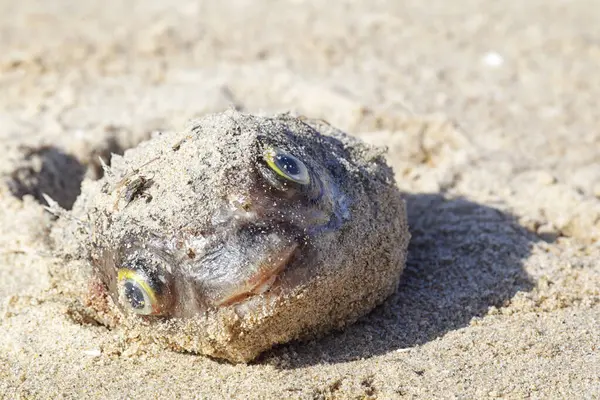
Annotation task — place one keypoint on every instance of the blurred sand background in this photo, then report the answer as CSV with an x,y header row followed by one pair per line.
x,y
490,112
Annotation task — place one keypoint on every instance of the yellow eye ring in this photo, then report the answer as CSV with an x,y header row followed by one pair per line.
x,y
286,166
137,293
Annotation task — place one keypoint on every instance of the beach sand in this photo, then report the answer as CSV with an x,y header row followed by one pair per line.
x,y
488,109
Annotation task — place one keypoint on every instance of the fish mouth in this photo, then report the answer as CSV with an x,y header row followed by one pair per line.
x,y
262,281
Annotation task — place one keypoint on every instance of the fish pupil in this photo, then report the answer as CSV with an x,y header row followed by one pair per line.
x,y
288,164
134,295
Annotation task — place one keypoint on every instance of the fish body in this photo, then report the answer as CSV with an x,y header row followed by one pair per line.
x,y
239,233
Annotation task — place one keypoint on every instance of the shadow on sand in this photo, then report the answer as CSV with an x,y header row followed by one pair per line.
x,y
47,170
463,258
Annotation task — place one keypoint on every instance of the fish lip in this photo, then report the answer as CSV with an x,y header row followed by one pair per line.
x,y
262,281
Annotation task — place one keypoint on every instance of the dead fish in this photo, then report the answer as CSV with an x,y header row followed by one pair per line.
x,y
255,231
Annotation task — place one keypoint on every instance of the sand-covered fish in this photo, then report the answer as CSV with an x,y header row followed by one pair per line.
x,y
237,234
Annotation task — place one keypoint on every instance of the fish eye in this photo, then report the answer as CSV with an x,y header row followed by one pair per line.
x,y
286,165
139,294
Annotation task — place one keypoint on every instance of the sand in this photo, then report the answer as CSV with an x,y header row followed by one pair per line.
x,y
489,112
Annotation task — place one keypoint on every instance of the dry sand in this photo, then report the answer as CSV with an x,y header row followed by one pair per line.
x,y
490,113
